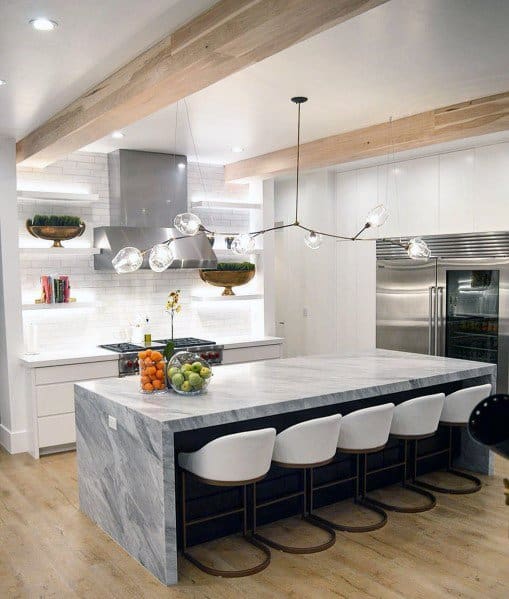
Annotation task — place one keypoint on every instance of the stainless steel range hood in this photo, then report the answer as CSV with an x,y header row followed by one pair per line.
x,y
147,190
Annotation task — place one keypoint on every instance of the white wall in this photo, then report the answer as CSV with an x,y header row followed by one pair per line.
x,y
119,299
451,192
13,434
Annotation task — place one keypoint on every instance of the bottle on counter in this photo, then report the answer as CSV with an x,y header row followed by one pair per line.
x,y
147,337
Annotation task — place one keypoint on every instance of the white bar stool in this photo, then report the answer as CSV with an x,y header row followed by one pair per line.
x,y
413,420
233,460
456,412
362,432
303,446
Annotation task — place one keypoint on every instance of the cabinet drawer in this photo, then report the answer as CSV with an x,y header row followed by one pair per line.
x,y
56,430
55,399
251,354
75,372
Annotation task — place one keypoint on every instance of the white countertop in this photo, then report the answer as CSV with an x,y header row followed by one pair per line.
x,y
84,354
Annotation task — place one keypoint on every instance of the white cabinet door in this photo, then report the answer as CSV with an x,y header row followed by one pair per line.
x,y
491,188
56,430
251,354
55,399
457,192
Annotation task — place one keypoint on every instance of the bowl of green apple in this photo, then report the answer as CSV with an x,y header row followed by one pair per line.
x,y
188,373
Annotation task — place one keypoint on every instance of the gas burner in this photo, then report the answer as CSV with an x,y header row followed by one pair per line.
x,y
123,347
186,342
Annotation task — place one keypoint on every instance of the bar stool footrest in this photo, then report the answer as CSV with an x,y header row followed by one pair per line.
x,y
430,504
302,550
234,573
356,528
452,491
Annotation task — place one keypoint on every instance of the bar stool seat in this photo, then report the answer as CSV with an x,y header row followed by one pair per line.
x,y
456,412
232,460
361,432
303,446
412,420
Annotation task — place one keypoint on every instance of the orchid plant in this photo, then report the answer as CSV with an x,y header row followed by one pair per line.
x,y
173,306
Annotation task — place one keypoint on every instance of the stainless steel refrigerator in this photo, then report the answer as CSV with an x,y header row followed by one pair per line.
x,y
449,305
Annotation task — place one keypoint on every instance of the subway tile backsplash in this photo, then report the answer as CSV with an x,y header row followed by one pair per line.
x,y
110,301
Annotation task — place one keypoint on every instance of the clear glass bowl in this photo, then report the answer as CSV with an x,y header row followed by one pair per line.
x,y
188,373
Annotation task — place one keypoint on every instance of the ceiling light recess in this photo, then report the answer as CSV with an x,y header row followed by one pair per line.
x,y
3,82
117,135
237,149
43,24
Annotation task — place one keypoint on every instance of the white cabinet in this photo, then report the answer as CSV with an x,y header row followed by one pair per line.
x,y
457,192
52,393
491,187
252,353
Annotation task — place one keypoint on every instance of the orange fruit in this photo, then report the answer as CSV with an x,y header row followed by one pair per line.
x,y
148,387
142,355
160,366
151,370
145,379
157,384
149,351
160,375
148,361
156,356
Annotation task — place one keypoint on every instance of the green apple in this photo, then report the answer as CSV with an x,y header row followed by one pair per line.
x,y
185,367
196,380
187,374
173,370
205,372
177,380
196,367
186,386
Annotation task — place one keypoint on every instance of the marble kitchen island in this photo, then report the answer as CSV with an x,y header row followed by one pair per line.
x,y
127,442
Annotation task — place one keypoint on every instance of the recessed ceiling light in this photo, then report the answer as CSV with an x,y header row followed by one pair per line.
x,y
181,165
117,135
3,82
43,24
237,149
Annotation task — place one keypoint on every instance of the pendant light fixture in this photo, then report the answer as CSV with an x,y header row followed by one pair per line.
x,y
189,224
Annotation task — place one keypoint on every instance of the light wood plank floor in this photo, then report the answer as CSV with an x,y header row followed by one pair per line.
x,y
49,549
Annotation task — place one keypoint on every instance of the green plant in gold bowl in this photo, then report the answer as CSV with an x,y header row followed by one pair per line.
x,y
55,228
228,275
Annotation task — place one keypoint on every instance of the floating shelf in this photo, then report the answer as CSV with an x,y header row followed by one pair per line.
x,y
226,205
60,252
226,298
69,306
57,197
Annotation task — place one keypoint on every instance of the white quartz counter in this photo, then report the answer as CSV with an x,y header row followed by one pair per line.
x,y
84,354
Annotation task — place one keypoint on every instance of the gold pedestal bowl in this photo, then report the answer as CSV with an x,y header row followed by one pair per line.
x,y
227,278
55,234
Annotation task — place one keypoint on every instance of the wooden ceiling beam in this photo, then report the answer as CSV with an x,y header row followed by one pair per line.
x,y
230,36
467,119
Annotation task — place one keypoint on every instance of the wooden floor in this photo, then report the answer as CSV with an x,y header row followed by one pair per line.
x,y
49,549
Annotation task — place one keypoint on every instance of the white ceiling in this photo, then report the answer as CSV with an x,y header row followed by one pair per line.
x,y
401,58
398,59
45,71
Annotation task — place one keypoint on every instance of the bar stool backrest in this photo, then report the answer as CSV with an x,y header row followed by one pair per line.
x,y
459,405
418,416
233,458
308,443
366,429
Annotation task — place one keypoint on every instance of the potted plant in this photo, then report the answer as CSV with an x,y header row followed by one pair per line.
x,y
55,228
228,275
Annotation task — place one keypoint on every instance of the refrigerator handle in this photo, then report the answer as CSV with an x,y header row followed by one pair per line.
x,y
441,320
430,320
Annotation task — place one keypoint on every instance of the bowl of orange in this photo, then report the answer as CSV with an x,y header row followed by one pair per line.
x,y
152,371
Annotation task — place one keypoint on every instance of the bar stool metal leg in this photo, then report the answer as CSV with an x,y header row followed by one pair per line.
x,y
247,537
450,470
431,499
331,535
359,499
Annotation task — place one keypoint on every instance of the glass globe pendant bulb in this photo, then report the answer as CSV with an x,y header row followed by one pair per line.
x,y
161,256
377,216
313,240
187,223
128,259
243,244
418,249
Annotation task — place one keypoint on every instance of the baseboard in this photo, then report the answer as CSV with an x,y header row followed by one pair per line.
x,y
14,442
